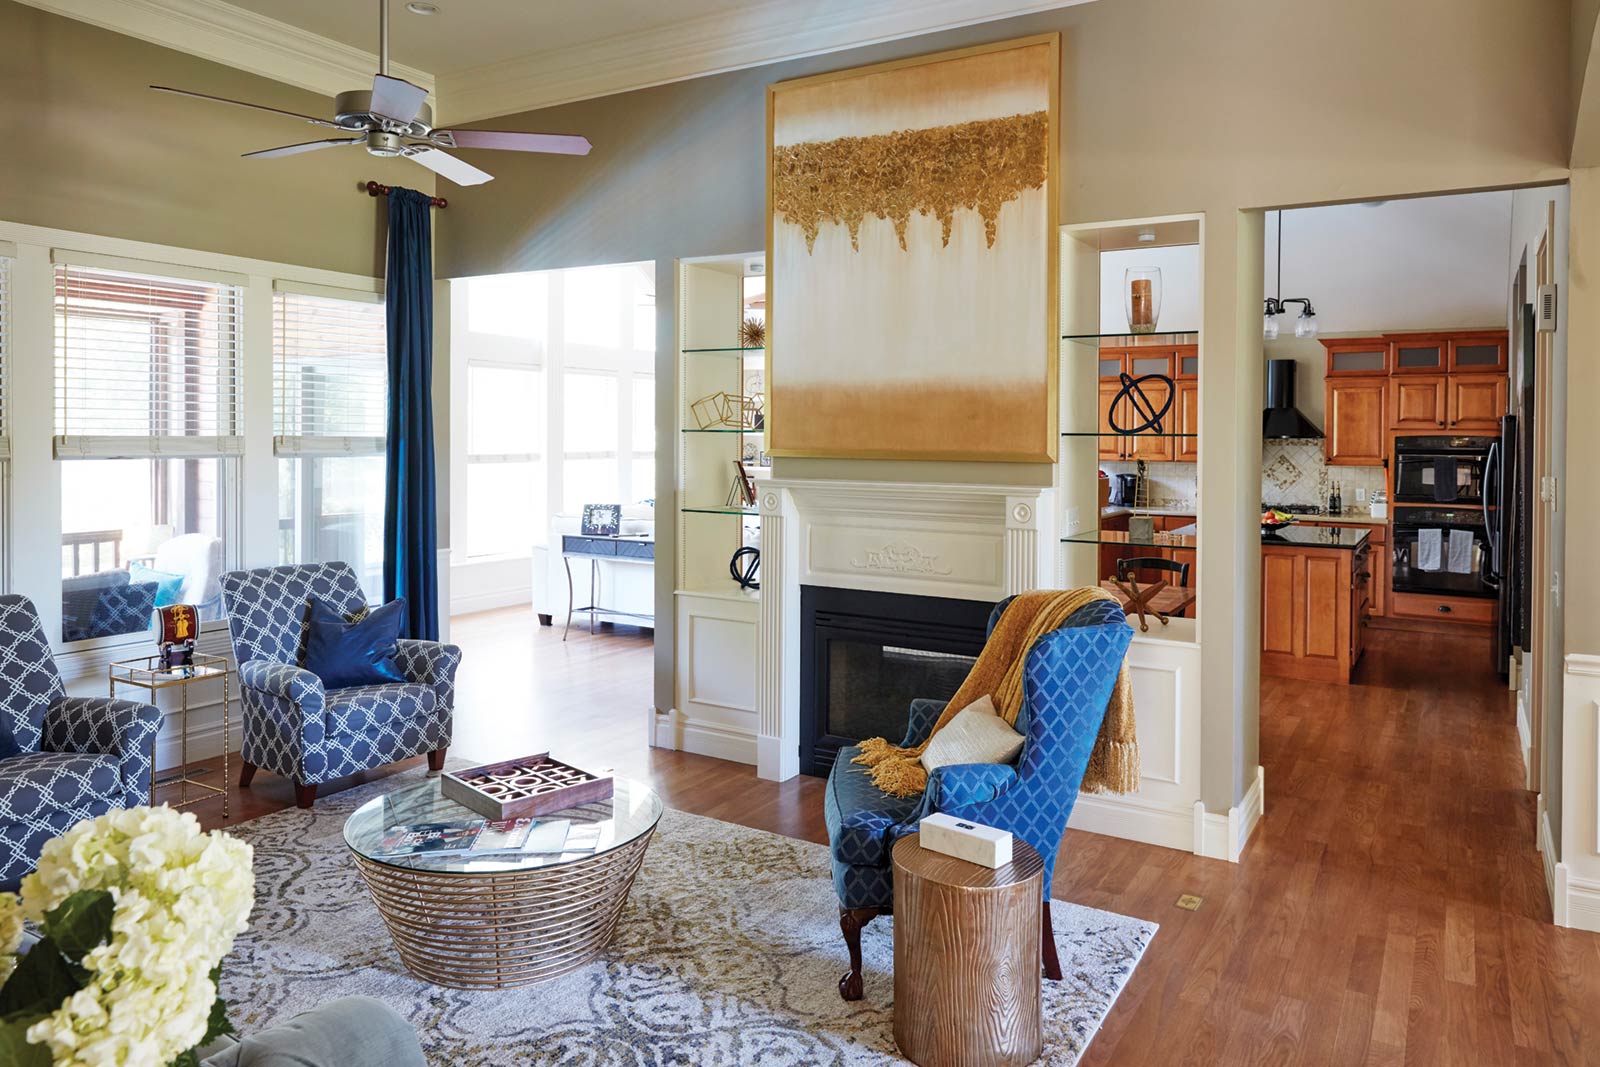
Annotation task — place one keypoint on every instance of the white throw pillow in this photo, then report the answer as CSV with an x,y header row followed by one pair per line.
x,y
976,735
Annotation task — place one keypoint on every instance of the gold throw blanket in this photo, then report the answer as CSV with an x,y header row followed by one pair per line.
x,y
998,674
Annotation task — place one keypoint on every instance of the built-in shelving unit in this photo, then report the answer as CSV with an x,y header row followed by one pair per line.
x,y
714,636
1134,340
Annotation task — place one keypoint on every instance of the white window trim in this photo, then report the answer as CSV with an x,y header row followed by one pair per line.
x,y
250,510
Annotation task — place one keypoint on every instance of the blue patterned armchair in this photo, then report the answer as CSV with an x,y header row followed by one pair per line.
x,y
1067,681
293,726
81,756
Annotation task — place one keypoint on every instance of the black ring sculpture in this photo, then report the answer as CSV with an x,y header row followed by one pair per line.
x,y
746,576
1133,391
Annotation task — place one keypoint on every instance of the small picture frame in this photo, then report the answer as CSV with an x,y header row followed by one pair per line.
x,y
747,486
602,520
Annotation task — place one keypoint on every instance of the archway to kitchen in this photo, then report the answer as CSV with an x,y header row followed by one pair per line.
x,y
1404,644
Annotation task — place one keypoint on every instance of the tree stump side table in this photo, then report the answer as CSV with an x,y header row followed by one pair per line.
x,y
966,958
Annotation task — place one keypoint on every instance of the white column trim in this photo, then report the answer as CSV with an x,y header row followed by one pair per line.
x,y
778,642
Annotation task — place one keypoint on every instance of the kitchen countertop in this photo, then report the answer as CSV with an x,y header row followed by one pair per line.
x,y
1186,511
1315,537
1349,516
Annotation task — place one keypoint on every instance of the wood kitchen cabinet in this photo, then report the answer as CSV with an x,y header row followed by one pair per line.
x,y
1355,421
1478,353
1378,562
1357,356
1188,405
1475,402
1314,603
1418,353
1417,402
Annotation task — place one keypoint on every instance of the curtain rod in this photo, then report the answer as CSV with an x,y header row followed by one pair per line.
x,y
374,189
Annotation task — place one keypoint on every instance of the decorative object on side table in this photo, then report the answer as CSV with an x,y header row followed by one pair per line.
x,y
148,673
137,909
1141,291
966,958
601,520
178,625
529,785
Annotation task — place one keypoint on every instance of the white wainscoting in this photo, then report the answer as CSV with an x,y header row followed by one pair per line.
x,y
1574,877
714,707
485,584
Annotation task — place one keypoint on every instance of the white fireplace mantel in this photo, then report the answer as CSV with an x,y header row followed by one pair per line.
x,y
970,542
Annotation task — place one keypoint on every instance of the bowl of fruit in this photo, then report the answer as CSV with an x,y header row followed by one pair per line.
x,y
1273,520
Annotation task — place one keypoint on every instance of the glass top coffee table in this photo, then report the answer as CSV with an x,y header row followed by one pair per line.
x,y
498,921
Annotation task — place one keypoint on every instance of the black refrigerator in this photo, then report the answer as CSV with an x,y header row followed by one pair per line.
x,y
1514,499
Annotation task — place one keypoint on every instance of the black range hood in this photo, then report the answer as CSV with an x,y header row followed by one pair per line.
x,y
1282,419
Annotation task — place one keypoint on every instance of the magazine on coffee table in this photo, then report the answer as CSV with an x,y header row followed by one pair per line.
x,y
429,839
477,837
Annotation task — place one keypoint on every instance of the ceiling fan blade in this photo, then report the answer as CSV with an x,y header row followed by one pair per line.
x,y
253,107
396,98
559,143
457,170
305,146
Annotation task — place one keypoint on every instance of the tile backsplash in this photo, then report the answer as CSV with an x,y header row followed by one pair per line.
x,y
1295,472
1292,472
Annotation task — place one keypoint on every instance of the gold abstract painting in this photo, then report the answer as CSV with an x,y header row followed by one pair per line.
x,y
911,258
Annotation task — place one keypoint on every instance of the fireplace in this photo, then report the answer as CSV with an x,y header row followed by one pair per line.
x,y
865,655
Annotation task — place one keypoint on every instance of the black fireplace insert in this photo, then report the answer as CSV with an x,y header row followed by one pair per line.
x,y
864,656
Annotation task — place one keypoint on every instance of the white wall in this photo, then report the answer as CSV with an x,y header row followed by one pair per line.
x,y
1180,286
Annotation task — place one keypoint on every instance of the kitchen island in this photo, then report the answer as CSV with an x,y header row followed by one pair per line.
x,y
1315,592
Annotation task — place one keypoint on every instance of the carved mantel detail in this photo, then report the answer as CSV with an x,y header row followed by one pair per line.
x,y
901,557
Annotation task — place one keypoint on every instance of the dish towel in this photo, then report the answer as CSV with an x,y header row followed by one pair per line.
x,y
1445,487
1428,549
1458,552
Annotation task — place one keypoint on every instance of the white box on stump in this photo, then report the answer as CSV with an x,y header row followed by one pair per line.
x,y
970,841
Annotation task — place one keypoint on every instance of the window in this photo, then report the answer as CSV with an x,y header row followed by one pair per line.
x,y
590,428
505,471
330,407
146,369
644,438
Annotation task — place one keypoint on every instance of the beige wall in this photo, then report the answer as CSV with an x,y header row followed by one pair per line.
x,y
87,147
1581,595
1166,108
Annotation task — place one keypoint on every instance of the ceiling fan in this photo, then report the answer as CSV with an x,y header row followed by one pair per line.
x,y
393,119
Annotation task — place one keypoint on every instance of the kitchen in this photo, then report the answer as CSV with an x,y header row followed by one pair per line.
x,y
1386,389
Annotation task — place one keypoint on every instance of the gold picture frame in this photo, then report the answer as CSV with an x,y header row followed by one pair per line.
x,y
884,176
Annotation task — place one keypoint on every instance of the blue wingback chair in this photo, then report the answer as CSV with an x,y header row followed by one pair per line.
x,y
1067,682
292,725
81,756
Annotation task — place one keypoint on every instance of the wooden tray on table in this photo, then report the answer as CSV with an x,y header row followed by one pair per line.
x,y
529,785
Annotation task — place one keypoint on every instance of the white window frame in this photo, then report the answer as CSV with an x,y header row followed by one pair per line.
x,y
472,457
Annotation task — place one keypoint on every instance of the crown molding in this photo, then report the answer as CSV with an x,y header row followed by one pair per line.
x,y
237,38
765,31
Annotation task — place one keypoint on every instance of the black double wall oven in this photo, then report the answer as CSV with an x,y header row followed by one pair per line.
x,y
1446,525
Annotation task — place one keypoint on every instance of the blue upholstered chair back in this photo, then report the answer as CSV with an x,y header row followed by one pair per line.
x,y
268,607
1067,682
29,682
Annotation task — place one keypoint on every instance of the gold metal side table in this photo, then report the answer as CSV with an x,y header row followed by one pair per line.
x,y
147,673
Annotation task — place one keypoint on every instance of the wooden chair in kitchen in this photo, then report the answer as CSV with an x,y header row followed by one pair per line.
x,y
1153,563
1163,599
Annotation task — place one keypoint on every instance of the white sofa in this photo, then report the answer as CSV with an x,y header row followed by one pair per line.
x,y
622,586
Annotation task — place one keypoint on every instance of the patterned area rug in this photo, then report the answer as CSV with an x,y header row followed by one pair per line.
x,y
729,953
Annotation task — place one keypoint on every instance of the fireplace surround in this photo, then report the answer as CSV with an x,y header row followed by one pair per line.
x,y
865,655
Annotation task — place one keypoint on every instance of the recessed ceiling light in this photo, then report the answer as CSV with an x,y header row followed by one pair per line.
x,y
417,8
1147,236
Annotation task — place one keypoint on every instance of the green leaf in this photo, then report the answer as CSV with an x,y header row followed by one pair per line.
x,y
14,1048
217,1025
43,979
81,923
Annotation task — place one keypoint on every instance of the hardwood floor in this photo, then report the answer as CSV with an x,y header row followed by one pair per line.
x,y
1390,909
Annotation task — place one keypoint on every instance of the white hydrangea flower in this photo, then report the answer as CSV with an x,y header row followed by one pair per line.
x,y
181,897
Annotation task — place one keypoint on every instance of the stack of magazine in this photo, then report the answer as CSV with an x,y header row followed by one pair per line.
x,y
499,838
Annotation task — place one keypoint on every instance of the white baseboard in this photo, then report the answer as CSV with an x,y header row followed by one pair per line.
x,y
1582,904
1555,872
1525,740
1134,819
777,760
708,739
1223,837
466,604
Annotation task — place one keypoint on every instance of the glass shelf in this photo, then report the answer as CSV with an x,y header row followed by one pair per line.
x,y
1133,340
1148,433
719,511
720,429
1125,539
722,351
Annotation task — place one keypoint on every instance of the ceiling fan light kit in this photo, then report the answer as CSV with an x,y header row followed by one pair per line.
x,y
393,119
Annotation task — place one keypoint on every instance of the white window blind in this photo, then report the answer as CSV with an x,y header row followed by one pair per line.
x,y
147,364
331,373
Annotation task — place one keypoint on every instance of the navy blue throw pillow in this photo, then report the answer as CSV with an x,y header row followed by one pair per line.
x,y
344,653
